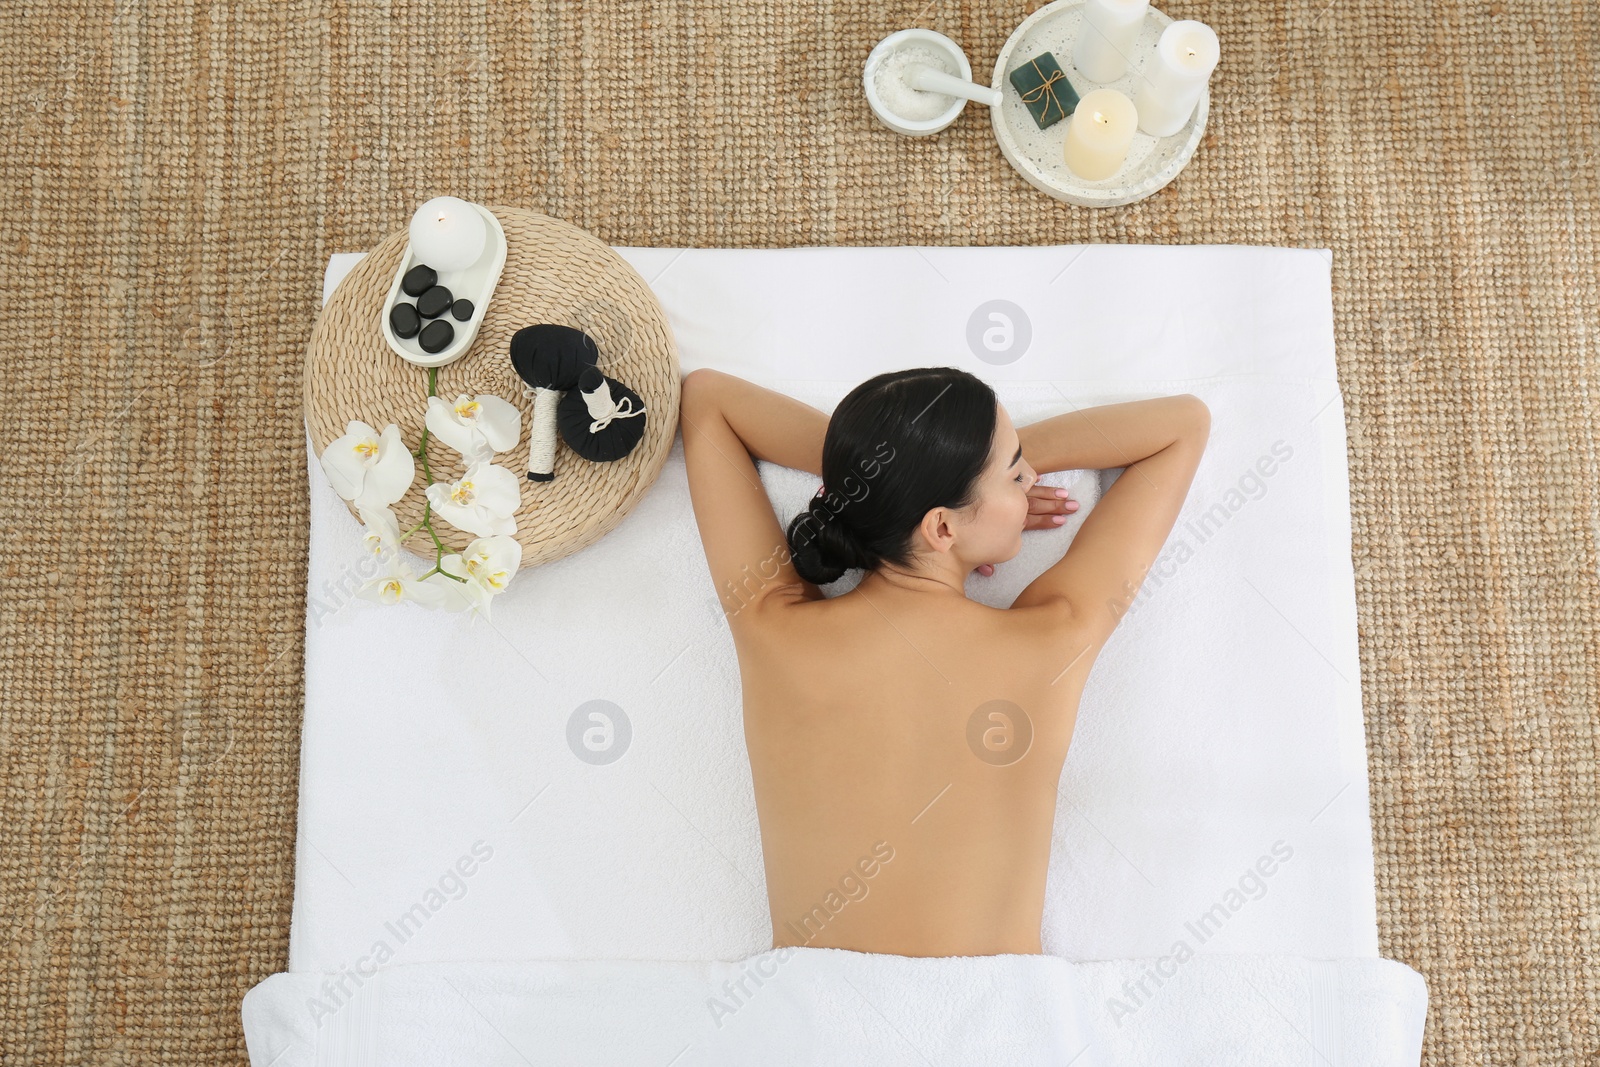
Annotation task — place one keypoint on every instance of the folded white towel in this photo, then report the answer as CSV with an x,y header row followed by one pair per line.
x,y
830,1006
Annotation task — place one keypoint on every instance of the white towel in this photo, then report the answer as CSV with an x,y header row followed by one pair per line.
x,y
828,1006
1215,794
1209,732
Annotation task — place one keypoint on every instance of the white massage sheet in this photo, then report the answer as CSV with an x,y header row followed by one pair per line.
x,y
1214,800
1222,718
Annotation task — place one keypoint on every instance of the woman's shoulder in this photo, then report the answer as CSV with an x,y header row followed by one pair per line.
x,y
802,608
765,610
1034,649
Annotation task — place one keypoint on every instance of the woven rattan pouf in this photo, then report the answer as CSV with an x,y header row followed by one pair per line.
x,y
554,273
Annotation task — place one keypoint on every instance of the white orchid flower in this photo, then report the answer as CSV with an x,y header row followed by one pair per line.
x,y
368,468
477,427
399,582
492,562
381,535
483,501
488,564
468,596
457,596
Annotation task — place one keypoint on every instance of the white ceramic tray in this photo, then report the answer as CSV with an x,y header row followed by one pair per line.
x,y
1037,154
476,283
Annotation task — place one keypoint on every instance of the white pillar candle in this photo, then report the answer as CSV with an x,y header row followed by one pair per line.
x,y
1099,134
1105,41
447,233
1175,76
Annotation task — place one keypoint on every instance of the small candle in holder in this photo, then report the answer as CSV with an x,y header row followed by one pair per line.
x,y
1175,77
447,233
1110,27
1099,134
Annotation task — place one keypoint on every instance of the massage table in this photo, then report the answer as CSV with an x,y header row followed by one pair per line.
x,y
468,891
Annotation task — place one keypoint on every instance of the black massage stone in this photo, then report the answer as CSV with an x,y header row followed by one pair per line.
x,y
418,280
436,336
434,302
404,320
462,309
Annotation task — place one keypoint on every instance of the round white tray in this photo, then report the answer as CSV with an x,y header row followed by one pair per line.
x,y
1037,154
476,283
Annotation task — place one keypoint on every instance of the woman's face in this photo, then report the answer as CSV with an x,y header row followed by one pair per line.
x,y
993,532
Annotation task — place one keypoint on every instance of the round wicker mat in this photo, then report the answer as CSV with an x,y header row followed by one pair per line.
x,y
554,273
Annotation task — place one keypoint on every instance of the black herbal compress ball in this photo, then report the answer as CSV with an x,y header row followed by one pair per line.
x,y
601,399
549,358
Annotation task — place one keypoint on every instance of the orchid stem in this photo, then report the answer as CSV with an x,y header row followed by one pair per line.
x,y
422,445
427,505
447,574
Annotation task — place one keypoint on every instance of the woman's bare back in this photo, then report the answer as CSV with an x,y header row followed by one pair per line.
x,y
906,749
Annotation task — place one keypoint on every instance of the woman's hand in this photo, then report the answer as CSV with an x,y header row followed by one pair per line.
x,y
1048,507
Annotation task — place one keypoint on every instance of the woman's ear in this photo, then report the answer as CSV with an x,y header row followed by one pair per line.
x,y
938,529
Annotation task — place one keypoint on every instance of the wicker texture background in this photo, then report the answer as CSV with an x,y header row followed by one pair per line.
x,y
179,173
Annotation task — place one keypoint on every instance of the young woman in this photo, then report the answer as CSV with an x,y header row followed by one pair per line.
x,y
905,742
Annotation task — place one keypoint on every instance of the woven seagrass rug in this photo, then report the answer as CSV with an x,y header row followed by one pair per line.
x,y
179,172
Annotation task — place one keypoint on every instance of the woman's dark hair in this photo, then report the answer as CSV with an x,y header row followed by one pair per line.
x,y
897,446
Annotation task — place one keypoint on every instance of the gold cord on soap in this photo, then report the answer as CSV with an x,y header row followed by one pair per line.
x,y
1033,96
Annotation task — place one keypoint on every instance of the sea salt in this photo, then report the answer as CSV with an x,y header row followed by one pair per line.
x,y
915,104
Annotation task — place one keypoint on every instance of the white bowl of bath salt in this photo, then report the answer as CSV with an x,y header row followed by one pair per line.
x,y
914,112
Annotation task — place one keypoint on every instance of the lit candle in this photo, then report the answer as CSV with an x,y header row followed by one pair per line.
x,y
1175,77
1106,40
447,233
1099,134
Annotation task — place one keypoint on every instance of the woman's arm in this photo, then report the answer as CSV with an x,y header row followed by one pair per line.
x,y
725,420
773,427
1112,435
1092,585
780,429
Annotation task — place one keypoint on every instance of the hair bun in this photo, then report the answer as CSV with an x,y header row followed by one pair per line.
x,y
822,546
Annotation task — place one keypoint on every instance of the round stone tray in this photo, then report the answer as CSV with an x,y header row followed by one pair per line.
x,y
554,272
1037,154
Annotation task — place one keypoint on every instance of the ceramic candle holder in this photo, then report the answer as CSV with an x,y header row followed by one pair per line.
x,y
1038,155
474,284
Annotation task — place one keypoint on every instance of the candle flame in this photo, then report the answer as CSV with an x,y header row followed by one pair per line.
x,y
1099,117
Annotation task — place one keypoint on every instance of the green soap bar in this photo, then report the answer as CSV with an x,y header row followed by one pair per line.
x,y
1045,90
